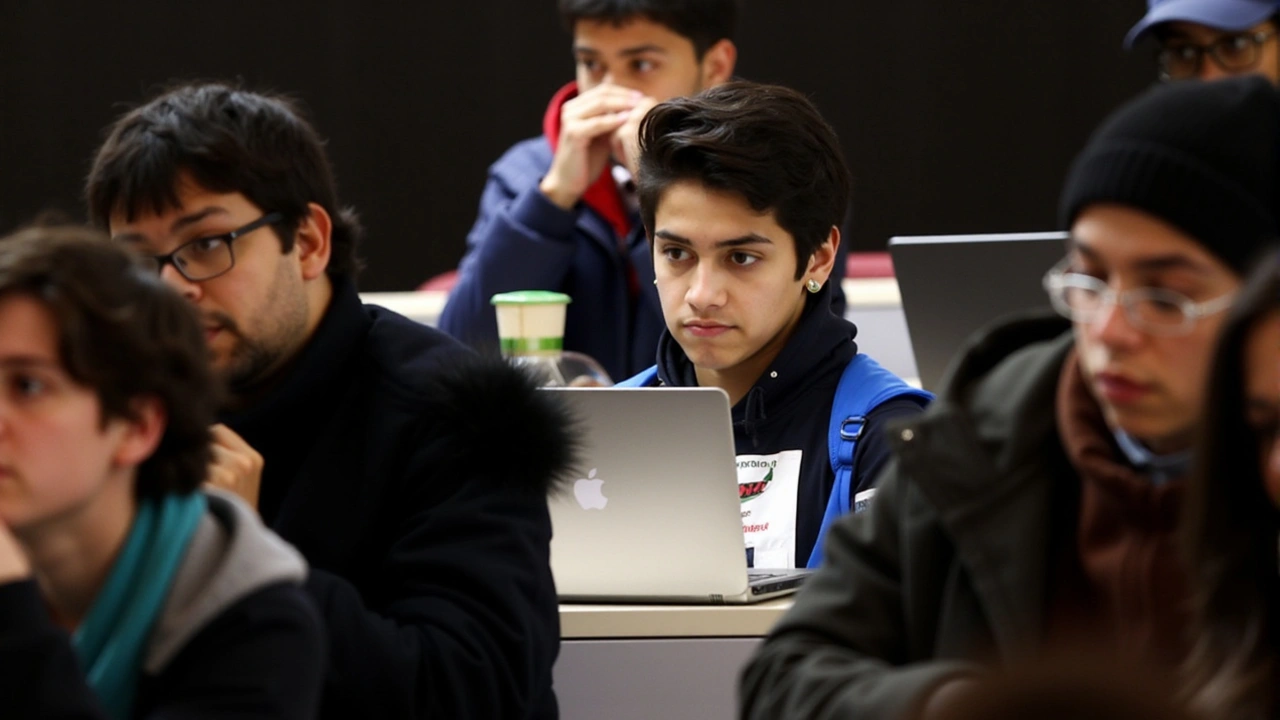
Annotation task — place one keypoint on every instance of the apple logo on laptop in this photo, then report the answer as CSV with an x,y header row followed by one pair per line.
x,y
587,491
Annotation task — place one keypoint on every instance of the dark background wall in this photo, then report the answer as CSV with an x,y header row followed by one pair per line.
x,y
955,116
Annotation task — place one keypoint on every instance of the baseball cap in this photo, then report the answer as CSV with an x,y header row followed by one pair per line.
x,y
1229,15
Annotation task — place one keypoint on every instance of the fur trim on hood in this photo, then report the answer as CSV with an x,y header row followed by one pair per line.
x,y
491,421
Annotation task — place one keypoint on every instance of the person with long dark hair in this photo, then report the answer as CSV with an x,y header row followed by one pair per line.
x,y
1231,520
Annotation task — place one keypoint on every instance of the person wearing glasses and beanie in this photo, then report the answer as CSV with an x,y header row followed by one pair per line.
x,y
1211,39
1033,506
361,437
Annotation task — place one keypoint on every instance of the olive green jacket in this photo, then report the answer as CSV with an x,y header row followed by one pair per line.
x,y
949,566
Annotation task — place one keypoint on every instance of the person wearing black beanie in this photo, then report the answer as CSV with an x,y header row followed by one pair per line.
x,y
1033,507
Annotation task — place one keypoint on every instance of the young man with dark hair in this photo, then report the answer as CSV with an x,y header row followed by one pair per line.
x,y
558,213
742,188
1034,507
370,436
1212,39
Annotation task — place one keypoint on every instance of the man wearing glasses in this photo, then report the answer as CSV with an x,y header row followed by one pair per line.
x,y
1033,506
371,437
1212,39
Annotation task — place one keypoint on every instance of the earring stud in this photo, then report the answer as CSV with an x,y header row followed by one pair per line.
x,y
813,285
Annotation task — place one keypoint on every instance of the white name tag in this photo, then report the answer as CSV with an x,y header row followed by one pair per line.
x,y
862,500
767,488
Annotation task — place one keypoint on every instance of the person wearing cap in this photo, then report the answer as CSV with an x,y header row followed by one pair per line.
x,y
1212,39
1033,505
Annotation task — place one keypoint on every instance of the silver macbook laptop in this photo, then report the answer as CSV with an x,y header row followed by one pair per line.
x,y
653,512
954,285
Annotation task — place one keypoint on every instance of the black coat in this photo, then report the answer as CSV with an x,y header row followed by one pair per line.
x,y
412,475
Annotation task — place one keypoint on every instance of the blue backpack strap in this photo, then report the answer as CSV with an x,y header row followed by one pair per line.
x,y
645,378
864,385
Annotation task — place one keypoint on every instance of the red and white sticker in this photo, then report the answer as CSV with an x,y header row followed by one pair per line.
x,y
767,488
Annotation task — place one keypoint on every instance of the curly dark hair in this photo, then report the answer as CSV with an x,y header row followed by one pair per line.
x,y
124,334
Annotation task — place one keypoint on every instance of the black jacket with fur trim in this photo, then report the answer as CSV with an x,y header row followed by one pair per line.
x,y
413,474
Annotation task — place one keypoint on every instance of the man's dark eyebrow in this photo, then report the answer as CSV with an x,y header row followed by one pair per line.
x,y
29,361
748,239
642,49
579,50
128,237
178,225
195,217
1155,263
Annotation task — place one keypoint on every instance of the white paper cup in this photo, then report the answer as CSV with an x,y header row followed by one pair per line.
x,y
531,322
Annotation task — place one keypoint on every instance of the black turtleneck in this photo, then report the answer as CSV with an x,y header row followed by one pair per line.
x,y
789,408
284,423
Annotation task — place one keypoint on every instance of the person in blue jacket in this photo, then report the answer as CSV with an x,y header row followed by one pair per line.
x,y
742,189
558,212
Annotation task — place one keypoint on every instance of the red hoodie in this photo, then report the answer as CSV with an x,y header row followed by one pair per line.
x,y
603,195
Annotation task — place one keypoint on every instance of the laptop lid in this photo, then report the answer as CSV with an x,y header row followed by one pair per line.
x,y
652,514
953,285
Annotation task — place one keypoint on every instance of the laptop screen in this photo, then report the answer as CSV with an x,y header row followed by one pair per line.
x,y
954,285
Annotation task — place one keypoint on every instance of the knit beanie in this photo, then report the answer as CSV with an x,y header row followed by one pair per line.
x,y
1201,156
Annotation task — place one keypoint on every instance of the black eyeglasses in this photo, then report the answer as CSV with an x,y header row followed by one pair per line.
x,y
208,257
1179,59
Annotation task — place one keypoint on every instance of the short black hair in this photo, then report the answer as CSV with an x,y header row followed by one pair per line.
x,y
123,333
704,22
766,143
226,139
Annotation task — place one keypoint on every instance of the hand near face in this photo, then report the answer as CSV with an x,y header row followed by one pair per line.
x,y
14,565
625,143
236,466
587,124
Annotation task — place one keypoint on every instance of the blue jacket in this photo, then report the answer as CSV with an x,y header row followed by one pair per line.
x,y
523,241
789,408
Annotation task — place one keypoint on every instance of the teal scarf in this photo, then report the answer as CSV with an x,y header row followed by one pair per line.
x,y
112,639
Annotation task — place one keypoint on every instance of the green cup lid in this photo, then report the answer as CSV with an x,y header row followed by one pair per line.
x,y
530,297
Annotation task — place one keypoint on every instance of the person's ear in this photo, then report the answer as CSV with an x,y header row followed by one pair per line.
x,y
313,241
823,259
142,433
718,62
